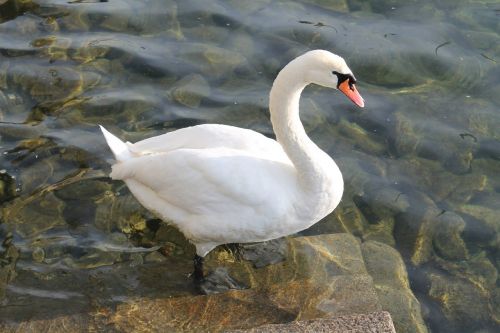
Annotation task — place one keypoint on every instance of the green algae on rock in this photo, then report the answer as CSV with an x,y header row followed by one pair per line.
x,y
386,267
448,240
456,297
8,258
30,216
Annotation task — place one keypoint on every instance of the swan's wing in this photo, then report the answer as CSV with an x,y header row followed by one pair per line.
x,y
211,136
214,182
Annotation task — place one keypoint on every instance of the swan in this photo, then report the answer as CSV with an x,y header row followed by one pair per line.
x,y
222,184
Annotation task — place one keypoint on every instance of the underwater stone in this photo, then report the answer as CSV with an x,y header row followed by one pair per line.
x,y
335,5
361,138
8,259
459,163
463,304
88,189
468,186
118,22
155,17
346,218
88,51
447,239
342,251
385,265
208,34
7,186
19,132
486,223
381,232
327,278
38,254
404,308
405,138
324,277
312,115
242,42
386,6
414,229
489,149
173,241
265,253
37,174
154,257
319,259
190,90
30,216
92,259
52,83
278,303
217,62
247,7
356,177
380,203
136,259
122,212
478,269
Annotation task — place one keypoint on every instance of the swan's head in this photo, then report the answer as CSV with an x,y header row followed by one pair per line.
x,y
330,70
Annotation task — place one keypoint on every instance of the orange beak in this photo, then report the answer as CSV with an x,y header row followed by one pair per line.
x,y
352,93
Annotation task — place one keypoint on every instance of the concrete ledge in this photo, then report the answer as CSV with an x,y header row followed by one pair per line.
x,y
376,322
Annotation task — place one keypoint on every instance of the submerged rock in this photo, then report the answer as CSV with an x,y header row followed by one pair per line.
x,y
7,186
362,139
190,90
386,267
266,253
215,61
323,277
155,17
463,304
448,240
335,5
382,202
30,216
122,212
405,137
414,229
459,163
8,259
381,232
346,218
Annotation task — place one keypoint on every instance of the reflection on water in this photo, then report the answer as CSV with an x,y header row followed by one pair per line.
x,y
421,161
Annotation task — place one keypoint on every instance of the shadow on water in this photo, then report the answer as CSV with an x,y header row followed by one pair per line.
x,y
420,162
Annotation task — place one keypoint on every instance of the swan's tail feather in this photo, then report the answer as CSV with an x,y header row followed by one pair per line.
x,y
117,146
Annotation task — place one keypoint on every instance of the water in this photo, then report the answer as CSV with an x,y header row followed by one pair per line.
x,y
421,161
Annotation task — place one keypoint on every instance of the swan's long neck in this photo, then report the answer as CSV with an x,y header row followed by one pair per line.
x,y
315,169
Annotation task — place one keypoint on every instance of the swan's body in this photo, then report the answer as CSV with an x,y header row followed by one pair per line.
x,y
221,184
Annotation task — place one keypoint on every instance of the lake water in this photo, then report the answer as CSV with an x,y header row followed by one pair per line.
x,y
421,161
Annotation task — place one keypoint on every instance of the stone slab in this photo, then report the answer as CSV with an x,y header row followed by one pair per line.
x,y
376,322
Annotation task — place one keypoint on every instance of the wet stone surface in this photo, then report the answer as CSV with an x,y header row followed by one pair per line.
x,y
336,283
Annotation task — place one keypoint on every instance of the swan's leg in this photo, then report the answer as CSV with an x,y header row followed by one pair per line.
x,y
198,269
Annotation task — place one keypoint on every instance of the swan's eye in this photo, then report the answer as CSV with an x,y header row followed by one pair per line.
x,y
343,77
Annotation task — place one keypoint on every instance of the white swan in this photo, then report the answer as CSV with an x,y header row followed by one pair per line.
x,y
222,184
